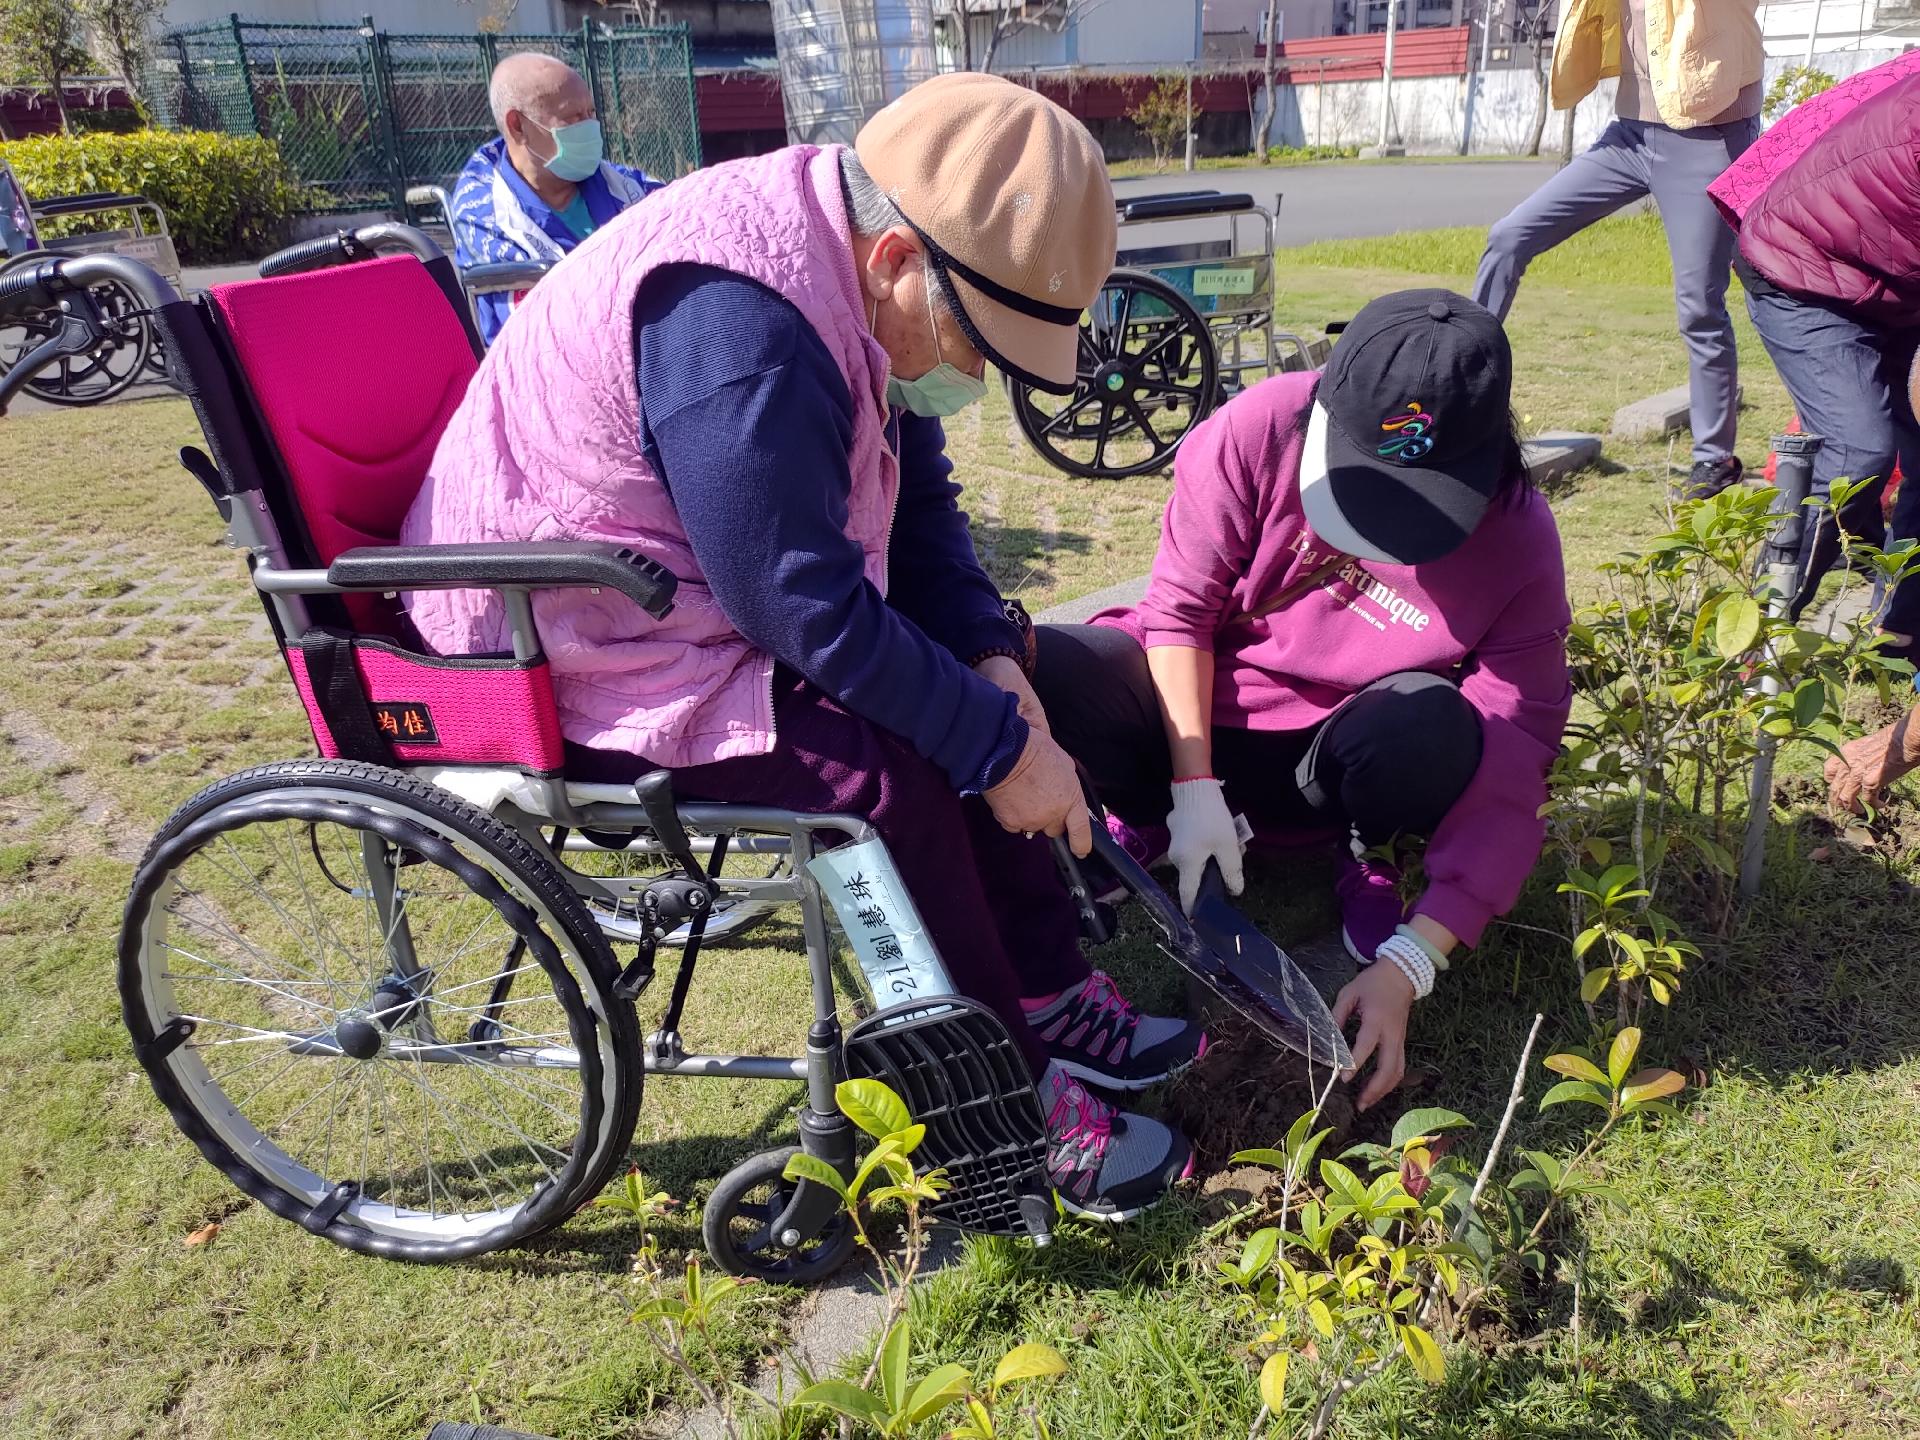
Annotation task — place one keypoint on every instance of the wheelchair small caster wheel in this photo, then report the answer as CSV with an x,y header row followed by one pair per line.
x,y
737,1226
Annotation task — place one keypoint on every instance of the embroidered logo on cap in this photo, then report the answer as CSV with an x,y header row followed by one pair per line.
x,y
1409,432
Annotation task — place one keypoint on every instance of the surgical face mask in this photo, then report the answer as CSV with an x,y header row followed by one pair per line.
x,y
576,150
946,389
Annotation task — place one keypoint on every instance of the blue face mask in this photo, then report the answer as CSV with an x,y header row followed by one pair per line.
x,y
944,390
576,150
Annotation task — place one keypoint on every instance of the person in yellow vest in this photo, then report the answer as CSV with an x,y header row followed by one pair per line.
x,y
1687,106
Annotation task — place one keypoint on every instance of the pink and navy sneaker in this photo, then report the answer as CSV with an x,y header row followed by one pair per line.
x,y
1107,1164
1368,891
1095,1035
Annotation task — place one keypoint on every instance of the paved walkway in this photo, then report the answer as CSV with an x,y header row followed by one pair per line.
x,y
1347,201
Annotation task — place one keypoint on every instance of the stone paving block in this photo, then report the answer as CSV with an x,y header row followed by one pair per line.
x,y
1657,415
1559,452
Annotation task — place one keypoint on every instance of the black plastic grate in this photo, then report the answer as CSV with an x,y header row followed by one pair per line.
x,y
961,1075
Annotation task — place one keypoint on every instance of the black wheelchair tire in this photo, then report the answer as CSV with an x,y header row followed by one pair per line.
x,y
1203,395
795,1267
611,1102
141,339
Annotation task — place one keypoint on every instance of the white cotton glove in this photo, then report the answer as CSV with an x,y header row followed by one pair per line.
x,y
1202,829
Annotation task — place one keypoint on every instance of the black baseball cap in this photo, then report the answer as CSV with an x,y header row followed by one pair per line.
x,y
1408,436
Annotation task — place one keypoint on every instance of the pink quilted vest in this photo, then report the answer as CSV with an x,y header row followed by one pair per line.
x,y
546,446
1743,182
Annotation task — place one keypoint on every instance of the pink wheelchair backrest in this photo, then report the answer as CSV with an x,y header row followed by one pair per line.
x,y
355,371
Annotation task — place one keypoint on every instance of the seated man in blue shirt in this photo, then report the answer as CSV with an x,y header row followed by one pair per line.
x,y
542,187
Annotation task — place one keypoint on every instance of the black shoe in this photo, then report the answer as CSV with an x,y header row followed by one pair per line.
x,y
1709,477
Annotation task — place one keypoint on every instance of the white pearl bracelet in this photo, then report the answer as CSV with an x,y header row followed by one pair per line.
x,y
1412,961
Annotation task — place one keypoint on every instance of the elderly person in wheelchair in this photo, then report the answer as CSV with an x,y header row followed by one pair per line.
x,y
543,185
744,379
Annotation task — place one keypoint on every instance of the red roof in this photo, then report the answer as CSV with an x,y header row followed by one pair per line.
x,y
1434,51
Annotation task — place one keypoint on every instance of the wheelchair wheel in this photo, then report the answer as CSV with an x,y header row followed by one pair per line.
x,y
736,1226
1147,375
381,1012
100,374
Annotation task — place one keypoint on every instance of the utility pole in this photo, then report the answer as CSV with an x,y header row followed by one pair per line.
x,y
1386,78
1478,77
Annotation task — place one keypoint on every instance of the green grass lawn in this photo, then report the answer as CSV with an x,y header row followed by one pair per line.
x,y
1759,1284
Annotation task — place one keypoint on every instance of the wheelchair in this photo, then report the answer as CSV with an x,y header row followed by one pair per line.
x,y
393,992
125,351
431,209
1175,331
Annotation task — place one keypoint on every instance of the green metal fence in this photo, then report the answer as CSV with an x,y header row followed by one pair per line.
x,y
361,114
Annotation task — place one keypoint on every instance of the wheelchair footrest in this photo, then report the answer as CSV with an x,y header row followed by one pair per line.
x,y
963,1077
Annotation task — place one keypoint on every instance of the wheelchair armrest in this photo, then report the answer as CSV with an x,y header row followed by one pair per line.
x,y
503,276
1184,204
535,565
81,204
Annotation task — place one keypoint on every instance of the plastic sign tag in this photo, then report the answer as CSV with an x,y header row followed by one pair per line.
x,y
889,938
1237,281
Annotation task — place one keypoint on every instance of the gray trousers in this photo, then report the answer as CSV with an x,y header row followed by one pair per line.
x,y
1633,159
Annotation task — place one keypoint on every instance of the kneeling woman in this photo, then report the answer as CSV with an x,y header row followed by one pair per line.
x,y
1356,622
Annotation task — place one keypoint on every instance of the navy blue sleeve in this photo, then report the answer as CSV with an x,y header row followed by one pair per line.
x,y
933,575
748,420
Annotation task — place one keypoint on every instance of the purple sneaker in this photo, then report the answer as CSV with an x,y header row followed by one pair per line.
x,y
1094,1034
1147,845
1368,891
1107,1164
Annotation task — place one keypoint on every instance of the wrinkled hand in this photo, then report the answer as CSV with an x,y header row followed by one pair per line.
x,y
1865,767
1382,997
1043,794
1200,828
1012,679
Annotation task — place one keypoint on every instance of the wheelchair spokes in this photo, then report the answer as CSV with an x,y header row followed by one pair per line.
x,y
374,1016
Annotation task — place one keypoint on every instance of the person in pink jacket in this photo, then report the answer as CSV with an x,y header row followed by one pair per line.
x,y
1356,622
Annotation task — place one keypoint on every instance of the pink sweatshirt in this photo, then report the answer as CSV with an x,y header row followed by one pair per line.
x,y
1492,615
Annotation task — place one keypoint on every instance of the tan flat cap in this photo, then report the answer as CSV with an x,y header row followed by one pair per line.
x,y
1010,195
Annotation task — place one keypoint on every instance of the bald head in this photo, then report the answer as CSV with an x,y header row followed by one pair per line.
x,y
549,91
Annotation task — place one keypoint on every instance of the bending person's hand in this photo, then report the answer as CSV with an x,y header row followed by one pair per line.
x,y
1865,767
1200,829
1043,794
1382,997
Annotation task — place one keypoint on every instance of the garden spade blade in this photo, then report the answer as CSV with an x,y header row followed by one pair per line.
x,y
1254,961
1223,950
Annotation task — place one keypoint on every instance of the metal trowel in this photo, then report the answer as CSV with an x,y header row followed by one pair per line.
x,y
1221,949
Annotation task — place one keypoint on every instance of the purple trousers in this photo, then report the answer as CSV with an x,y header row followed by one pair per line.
x,y
992,901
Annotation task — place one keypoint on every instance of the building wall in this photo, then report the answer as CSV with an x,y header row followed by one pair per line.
x,y
1117,34
1843,25
1429,111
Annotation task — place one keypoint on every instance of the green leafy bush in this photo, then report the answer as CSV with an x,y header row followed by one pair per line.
x,y
1303,154
226,196
1794,86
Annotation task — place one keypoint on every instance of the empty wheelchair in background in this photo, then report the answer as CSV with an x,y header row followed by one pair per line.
x,y
124,350
1177,329
393,992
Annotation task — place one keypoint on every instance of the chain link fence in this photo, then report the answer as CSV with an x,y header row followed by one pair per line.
x,y
361,114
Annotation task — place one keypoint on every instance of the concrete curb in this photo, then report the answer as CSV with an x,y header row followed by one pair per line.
x,y
1666,413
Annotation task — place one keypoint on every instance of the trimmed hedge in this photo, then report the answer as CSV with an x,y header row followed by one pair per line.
x,y
226,196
